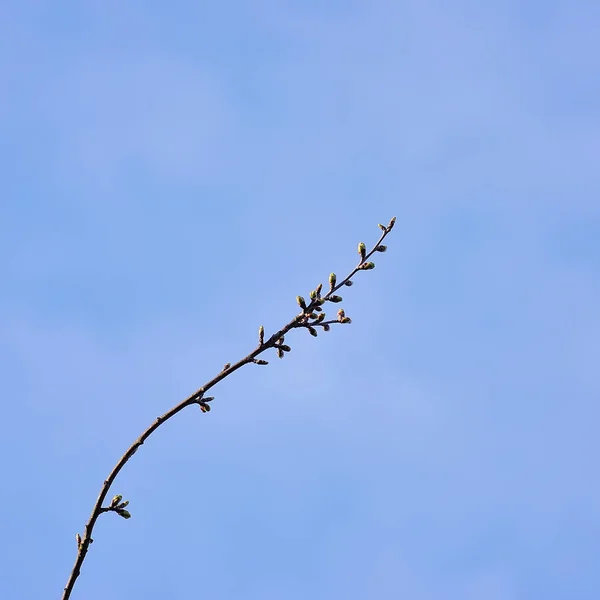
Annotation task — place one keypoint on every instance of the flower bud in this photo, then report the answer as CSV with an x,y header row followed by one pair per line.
x,y
362,250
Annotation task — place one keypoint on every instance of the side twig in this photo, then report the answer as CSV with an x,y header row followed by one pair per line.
x,y
311,317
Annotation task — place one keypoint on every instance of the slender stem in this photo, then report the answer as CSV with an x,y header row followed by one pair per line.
x,y
195,398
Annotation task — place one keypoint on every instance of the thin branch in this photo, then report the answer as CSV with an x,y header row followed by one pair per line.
x,y
310,317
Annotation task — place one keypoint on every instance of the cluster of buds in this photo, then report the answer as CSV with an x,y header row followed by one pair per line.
x,y
281,347
119,506
278,345
312,314
203,402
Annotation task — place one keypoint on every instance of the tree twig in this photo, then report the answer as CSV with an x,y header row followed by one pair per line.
x,y
311,317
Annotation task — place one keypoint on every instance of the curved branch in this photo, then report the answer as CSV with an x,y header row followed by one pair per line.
x,y
198,397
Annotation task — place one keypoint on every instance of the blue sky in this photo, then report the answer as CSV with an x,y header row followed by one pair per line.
x,y
175,174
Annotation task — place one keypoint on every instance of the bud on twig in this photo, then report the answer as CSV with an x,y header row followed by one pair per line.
x,y
367,266
260,361
313,331
301,302
332,280
261,335
362,250
116,500
335,299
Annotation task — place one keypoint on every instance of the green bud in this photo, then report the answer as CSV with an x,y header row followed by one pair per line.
x,y
124,513
280,352
261,335
381,248
335,299
326,327
301,302
204,407
391,224
124,504
285,348
116,500
332,280
346,320
382,227
341,314
260,361
362,249
368,266
320,318
318,290
313,295
312,331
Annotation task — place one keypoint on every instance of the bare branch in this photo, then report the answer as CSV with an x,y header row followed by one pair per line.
x,y
310,318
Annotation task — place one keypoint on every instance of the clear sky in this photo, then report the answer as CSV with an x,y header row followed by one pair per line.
x,y
175,173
